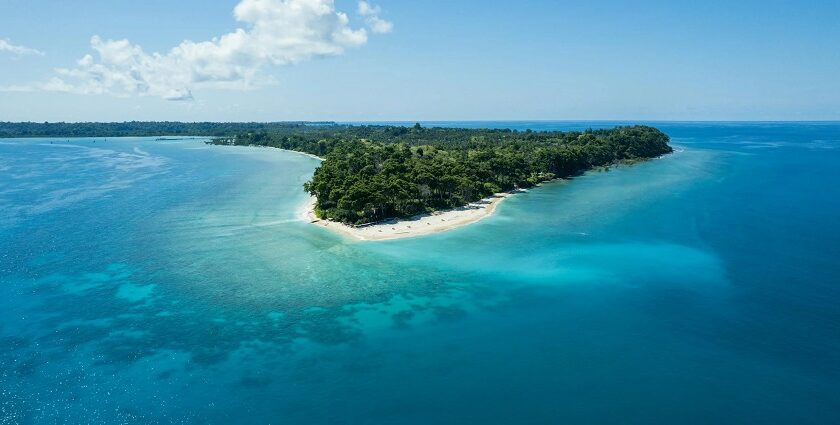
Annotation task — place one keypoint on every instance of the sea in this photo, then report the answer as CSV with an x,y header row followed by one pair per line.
x,y
148,281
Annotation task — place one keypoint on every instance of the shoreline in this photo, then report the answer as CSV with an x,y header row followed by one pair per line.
x,y
313,156
418,225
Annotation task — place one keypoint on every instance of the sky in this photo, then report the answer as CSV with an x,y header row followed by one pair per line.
x,y
400,60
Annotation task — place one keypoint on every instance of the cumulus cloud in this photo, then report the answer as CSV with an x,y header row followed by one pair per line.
x,y
275,33
7,46
371,14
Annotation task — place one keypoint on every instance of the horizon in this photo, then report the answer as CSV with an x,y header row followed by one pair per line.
x,y
412,122
381,61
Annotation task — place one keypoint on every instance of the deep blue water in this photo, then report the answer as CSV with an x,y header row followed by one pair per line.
x,y
171,282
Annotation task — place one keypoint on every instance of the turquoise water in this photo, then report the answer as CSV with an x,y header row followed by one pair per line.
x,y
170,282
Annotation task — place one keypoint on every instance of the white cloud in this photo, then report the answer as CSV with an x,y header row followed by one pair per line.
x,y
276,33
371,14
7,46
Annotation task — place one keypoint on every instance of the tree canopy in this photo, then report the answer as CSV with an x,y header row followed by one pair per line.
x,y
371,173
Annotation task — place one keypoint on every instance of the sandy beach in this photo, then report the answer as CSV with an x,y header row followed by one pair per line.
x,y
419,225
313,156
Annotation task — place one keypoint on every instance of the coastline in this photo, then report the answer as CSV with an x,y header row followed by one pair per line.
x,y
313,156
418,225
415,226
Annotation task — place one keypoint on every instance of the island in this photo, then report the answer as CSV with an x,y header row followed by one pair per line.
x,y
388,182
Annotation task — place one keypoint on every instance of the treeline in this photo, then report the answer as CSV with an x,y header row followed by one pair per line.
x,y
145,128
377,172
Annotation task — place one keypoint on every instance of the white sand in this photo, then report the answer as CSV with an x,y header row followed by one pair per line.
x,y
313,156
419,225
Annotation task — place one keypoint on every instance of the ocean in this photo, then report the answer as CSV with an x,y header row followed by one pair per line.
x,y
147,281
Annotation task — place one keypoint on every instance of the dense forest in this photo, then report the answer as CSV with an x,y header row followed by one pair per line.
x,y
374,172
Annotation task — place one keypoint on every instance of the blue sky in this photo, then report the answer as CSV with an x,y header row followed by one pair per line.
x,y
419,60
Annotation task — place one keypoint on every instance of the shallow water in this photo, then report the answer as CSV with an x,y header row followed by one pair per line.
x,y
171,282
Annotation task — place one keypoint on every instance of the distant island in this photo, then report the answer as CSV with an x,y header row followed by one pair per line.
x,y
384,182
147,128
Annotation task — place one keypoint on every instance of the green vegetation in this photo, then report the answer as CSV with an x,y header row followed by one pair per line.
x,y
372,173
